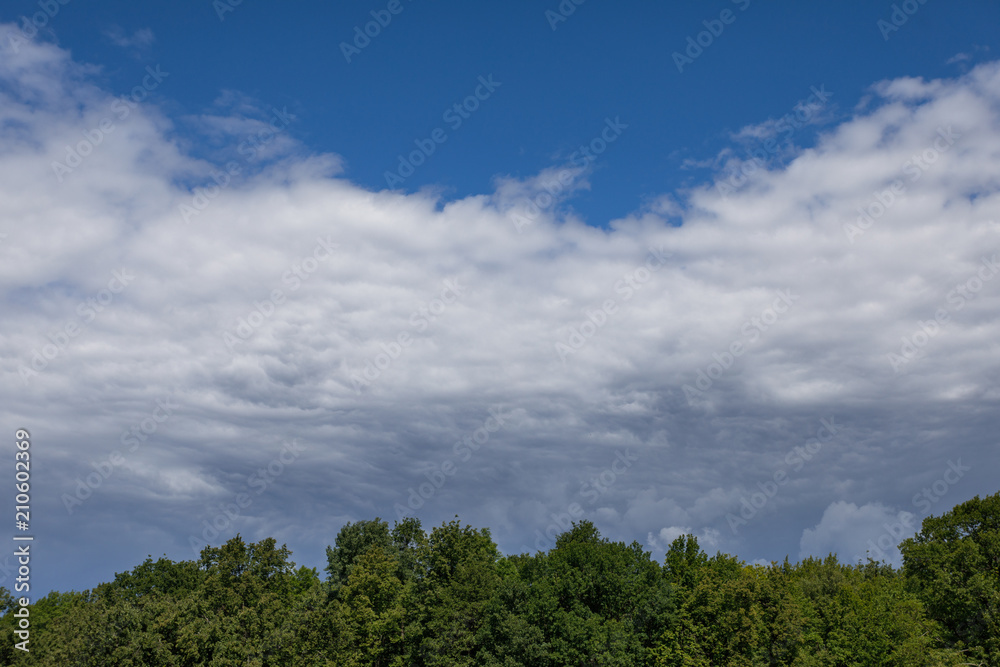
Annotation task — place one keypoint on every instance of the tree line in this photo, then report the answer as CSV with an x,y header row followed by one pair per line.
x,y
403,596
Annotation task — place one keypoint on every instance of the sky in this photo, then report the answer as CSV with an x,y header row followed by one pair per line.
x,y
719,268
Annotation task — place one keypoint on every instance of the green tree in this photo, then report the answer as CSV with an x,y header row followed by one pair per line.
x,y
459,575
243,614
352,542
374,607
407,539
953,564
587,602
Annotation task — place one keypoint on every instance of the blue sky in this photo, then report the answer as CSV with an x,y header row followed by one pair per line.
x,y
605,59
763,235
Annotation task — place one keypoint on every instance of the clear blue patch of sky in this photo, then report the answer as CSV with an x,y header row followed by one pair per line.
x,y
606,60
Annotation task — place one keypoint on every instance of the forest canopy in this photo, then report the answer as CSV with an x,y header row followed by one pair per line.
x,y
403,596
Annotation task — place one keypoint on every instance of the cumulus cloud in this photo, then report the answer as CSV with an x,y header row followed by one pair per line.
x,y
272,300
708,539
855,533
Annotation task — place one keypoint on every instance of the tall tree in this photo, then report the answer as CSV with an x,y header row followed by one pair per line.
x,y
373,601
353,541
461,575
953,564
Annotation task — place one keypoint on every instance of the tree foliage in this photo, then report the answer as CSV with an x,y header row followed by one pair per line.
x,y
953,565
402,596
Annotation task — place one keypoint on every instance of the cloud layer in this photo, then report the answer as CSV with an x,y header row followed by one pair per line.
x,y
249,340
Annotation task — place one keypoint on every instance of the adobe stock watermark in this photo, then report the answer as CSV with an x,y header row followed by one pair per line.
x,y
122,107
88,310
901,13
259,482
913,168
713,29
362,38
301,270
223,7
913,345
967,290
596,318
592,491
581,159
464,449
802,114
248,149
454,116
565,9
751,330
133,437
924,500
795,459
420,320
31,26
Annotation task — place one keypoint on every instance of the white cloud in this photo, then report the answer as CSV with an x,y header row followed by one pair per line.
x,y
856,533
708,539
